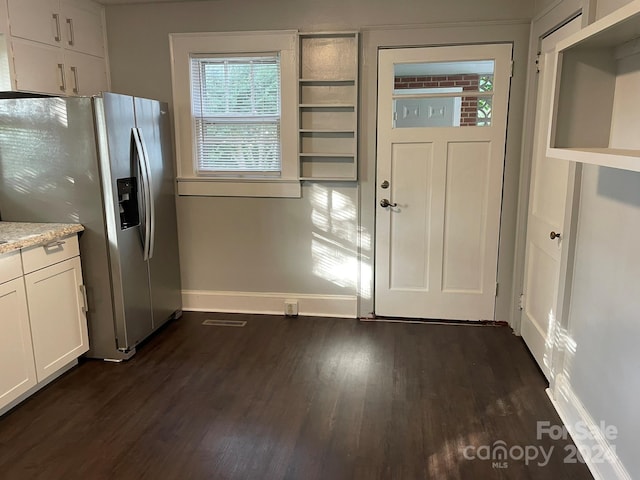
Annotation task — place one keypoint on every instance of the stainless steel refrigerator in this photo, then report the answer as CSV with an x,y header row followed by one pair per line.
x,y
107,163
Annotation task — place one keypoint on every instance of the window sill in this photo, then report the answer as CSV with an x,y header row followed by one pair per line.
x,y
224,187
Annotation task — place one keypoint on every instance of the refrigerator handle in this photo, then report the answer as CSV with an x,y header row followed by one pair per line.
x,y
144,185
152,203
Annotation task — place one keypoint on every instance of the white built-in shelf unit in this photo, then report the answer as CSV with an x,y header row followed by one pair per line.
x,y
328,95
596,114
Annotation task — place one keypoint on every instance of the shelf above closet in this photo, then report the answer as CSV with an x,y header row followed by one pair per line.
x,y
597,100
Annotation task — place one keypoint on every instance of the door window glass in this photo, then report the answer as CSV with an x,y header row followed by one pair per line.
x,y
443,94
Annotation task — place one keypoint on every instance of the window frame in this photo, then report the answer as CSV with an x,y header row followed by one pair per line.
x,y
185,45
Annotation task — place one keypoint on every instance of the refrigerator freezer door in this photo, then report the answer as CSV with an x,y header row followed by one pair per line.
x,y
132,298
49,173
152,119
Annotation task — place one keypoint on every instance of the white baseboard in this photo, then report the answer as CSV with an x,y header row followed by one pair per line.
x,y
342,306
572,413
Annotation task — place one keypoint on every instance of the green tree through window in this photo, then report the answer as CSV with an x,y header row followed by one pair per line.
x,y
485,103
236,108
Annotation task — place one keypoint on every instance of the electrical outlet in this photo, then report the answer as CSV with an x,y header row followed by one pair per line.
x,y
291,308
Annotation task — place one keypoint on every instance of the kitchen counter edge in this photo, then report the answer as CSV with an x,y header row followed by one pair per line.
x,y
18,235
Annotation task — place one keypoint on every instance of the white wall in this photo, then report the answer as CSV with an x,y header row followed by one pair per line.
x,y
295,245
604,7
595,378
268,245
604,320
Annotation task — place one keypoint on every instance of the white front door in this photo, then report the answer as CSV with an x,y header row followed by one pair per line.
x,y
439,188
547,199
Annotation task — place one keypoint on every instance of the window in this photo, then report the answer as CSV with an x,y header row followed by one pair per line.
x,y
235,113
236,109
443,94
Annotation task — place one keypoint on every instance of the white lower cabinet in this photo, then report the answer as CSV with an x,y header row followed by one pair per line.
x,y
17,368
57,316
43,324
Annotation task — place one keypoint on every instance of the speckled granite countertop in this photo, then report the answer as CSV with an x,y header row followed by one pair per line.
x,y
16,235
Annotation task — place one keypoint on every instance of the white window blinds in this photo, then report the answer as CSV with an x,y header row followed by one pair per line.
x,y
236,110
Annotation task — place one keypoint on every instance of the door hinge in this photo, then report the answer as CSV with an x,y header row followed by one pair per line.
x,y
497,288
512,63
538,63
521,301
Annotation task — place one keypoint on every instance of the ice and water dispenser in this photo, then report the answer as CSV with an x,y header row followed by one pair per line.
x,y
128,202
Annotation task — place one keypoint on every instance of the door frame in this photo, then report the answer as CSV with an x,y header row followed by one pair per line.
x,y
550,20
375,38
434,299
537,240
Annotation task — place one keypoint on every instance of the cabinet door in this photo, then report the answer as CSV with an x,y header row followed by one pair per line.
x,y
86,74
82,28
38,68
57,313
37,20
17,369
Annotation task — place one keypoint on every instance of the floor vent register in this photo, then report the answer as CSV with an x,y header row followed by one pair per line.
x,y
224,323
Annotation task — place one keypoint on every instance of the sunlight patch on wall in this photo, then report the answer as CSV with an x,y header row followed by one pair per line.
x,y
333,262
553,333
335,237
558,340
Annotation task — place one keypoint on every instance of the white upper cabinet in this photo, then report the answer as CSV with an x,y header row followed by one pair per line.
x,y
596,114
82,27
68,23
37,20
54,47
85,75
38,68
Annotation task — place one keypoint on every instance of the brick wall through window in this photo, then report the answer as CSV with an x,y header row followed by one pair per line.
x,y
469,83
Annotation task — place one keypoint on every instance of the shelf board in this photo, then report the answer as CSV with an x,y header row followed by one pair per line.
x,y
624,159
325,130
328,88
339,34
328,81
328,179
612,30
327,155
327,105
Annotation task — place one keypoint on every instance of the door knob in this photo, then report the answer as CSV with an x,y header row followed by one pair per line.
x,y
386,203
553,235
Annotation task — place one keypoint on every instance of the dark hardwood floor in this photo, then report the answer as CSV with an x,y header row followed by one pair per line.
x,y
299,398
